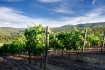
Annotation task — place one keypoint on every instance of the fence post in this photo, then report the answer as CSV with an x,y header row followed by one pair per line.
x,y
46,48
85,33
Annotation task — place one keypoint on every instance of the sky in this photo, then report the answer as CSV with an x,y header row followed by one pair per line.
x,y
53,13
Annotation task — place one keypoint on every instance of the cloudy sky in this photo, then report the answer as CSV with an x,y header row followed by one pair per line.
x,y
53,13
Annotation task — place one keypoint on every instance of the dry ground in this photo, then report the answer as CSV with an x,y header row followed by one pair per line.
x,y
91,61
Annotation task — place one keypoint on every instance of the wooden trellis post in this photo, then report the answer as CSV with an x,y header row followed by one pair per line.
x,y
103,42
46,49
85,33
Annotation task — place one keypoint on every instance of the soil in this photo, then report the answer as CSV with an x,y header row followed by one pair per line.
x,y
66,62
16,63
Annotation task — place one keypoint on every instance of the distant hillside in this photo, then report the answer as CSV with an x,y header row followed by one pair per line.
x,y
91,25
70,27
7,34
8,30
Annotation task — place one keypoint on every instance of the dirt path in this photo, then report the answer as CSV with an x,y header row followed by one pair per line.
x,y
8,63
12,63
90,62
4,65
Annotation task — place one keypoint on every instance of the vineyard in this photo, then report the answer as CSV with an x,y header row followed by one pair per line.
x,y
40,49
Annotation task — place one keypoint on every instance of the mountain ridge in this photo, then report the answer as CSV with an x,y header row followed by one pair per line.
x,y
65,27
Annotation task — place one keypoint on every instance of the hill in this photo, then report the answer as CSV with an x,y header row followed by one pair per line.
x,y
8,33
70,27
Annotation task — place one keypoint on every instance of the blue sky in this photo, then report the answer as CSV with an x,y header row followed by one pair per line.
x,y
53,13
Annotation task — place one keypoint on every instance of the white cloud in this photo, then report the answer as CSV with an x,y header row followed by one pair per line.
x,y
91,17
13,18
96,12
49,1
62,10
93,2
